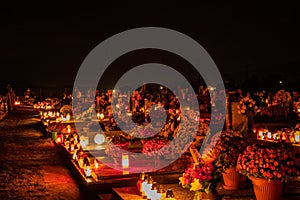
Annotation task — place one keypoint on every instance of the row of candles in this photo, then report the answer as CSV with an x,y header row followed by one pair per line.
x,y
46,115
75,144
72,142
43,106
285,135
149,189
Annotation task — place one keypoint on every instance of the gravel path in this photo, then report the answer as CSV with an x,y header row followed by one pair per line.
x,y
30,167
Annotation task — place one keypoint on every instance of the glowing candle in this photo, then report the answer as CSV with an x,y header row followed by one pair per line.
x,y
69,128
254,130
68,117
283,136
59,138
261,135
99,139
84,141
74,155
144,185
297,136
275,136
153,191
87,171
148,186
125,161
96,164
269,135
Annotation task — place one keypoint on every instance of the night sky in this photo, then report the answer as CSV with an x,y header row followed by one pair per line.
x,y
44,44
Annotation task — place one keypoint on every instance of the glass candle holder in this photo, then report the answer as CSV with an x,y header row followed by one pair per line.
x,y
169,193
153,191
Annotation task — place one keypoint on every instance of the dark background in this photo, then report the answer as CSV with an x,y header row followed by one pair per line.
x,y
44,43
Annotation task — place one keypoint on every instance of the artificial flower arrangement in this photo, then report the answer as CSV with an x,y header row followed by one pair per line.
x,y
66,109
202,176
276,162
151,147
143,132
246,105
228,147
282,97
279,107
274,111
55,127
173,150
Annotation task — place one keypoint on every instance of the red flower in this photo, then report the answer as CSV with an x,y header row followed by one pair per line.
x,y
278,175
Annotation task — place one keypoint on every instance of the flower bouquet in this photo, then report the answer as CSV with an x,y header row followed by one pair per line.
x,y
248,108
247,105
228,147
201,177
267,167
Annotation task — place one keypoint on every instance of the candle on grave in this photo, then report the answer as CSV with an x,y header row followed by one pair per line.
x,y
125,160
269,135
96,164
261,135
283,136
59,138
68,117
69,128
87,171
144,186
148,186
153,191
140,183
297,136
84,141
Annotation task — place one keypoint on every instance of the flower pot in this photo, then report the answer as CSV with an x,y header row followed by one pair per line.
x,y
233,180
206,196
267,190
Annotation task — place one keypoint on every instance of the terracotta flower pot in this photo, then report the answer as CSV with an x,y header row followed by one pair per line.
x,y
233,180
265,190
